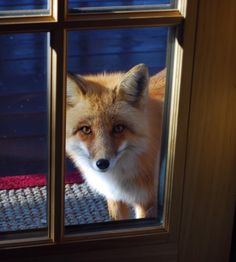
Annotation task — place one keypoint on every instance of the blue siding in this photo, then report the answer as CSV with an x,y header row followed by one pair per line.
x,y
42,4
23,83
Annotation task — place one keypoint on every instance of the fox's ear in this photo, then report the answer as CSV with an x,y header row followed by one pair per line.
x,y
134,85
76,87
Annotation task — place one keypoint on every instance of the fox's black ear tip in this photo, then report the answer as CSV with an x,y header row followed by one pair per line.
x,y
141,69
142,66
77,81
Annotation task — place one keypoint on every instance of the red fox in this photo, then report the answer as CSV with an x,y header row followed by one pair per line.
x,y
113,135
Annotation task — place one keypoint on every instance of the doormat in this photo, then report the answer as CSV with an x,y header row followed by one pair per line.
x,y
23,203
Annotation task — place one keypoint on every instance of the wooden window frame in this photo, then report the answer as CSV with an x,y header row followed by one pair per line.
x,y
146,238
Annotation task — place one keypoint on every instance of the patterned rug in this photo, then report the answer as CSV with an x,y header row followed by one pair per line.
x,y
25,207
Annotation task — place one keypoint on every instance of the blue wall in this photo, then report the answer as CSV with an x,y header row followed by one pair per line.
x,y
23,83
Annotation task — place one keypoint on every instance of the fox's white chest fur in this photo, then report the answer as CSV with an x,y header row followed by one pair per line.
x,y
114,184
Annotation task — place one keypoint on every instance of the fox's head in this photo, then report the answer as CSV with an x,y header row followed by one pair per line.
x,y
106,117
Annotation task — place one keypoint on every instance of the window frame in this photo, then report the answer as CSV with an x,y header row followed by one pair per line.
x,y
57,24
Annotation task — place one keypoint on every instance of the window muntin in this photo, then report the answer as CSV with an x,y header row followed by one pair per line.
x,y
24,127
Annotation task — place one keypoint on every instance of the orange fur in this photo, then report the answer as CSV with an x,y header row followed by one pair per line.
x,y
118,210
98,106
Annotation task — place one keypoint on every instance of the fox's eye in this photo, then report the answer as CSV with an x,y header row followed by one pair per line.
x,y
117,129
85,130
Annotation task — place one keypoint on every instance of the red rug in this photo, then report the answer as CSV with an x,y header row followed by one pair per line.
x,y
33,180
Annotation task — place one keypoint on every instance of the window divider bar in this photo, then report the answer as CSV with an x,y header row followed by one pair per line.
x,y
118,15
122,21
57,135
57,124
60,19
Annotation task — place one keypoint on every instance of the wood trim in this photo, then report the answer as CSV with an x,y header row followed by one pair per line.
x,y
111,20
22,241
160,17
57,138
132,247
105,250
210,180
57,131
181,77
57,26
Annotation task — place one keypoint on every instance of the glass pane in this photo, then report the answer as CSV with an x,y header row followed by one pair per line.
x,y
23,7
92,5
113,133
23,131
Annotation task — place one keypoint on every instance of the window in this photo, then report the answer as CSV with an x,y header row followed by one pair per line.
x,y
93,6
25,8
24,127
114,46
83,23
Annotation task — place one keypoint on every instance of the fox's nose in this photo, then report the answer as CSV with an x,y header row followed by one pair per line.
x,y
103,164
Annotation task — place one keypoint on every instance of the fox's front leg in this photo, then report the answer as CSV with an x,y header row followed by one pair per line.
x,y
118,210
145,211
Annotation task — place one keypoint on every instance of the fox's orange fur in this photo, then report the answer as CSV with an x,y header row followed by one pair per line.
x,y
113,135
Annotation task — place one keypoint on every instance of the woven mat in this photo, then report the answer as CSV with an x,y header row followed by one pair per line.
x,y
22,209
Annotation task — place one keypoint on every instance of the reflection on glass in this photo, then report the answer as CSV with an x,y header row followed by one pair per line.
x,y
92,5
23,7
114,125
23,131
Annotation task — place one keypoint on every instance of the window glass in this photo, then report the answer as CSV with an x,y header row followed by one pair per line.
x,y
23,131
92,5
23,7
114,125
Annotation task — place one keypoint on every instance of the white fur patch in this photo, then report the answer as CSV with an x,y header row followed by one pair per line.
x,y
116,183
